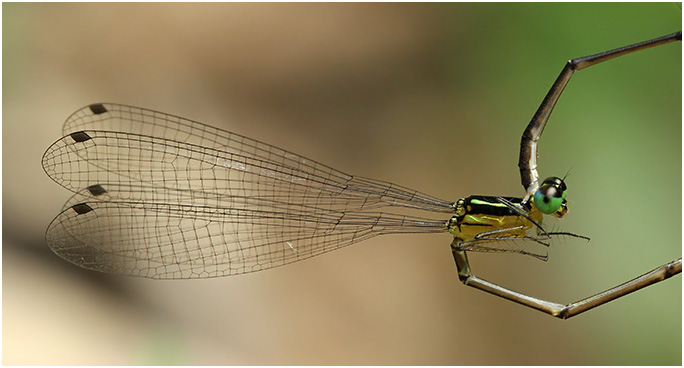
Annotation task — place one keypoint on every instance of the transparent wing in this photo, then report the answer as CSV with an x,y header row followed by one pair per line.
x,y
164,241
207,202
113,159
231,151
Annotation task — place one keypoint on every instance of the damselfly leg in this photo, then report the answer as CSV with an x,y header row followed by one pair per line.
x,y
530,181
528,143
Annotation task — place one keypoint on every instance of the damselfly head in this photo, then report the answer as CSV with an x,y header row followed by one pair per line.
x,y
550,197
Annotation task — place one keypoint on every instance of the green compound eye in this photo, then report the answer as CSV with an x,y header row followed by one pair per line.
x,y
547,205
550,196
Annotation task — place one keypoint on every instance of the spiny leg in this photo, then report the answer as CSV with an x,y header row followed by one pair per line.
x,y
544,235
520,211
562,311
498,235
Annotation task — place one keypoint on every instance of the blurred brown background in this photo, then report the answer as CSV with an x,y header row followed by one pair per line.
x,y
433,97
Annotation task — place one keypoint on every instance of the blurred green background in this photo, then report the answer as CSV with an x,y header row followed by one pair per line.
x,y
433,97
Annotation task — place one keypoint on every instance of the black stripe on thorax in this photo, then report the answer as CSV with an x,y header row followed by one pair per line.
x,y
489,205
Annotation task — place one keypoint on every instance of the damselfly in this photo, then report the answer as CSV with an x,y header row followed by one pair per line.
x,y
160,196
